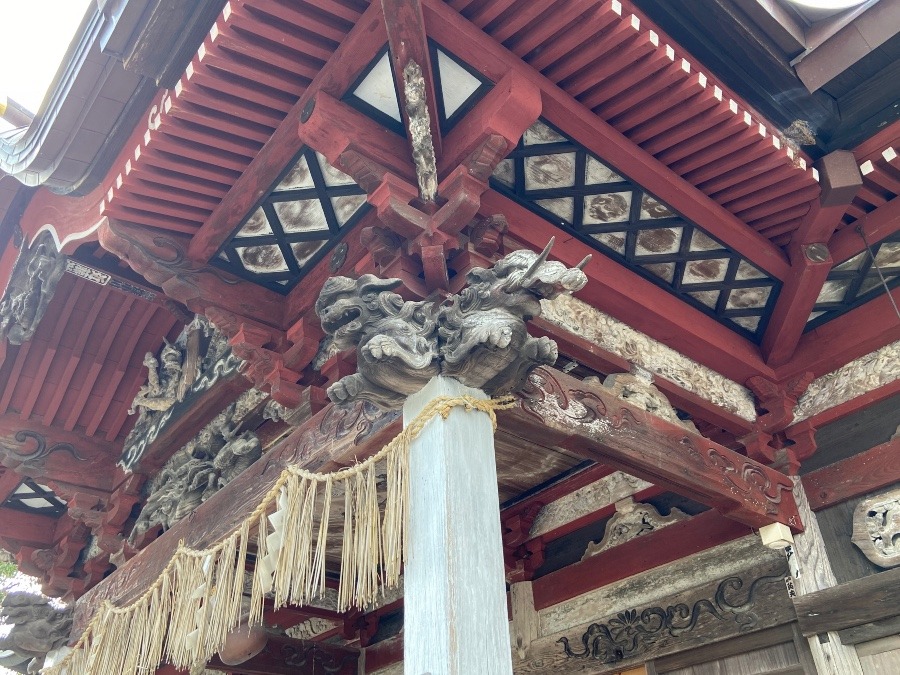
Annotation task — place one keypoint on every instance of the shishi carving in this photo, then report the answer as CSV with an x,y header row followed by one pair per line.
x,y
876,528
37,271
478,336
484,341
395,339
37,627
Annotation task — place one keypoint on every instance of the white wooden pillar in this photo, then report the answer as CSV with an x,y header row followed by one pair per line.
x,y
455,617
830,655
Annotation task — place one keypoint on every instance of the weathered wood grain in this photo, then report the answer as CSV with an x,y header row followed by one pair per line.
x,y
874,630
725,649
830,655
855,603
863,473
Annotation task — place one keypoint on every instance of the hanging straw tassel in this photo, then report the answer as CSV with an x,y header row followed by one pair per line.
x,y
315,586
186,614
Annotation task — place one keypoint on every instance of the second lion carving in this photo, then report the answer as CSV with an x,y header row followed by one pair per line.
x,y
477,336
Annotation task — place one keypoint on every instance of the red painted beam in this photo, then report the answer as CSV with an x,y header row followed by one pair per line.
x,y
27,529
640,303
878,224
658,548
361,45
811,265
871,470
40,451
599,137
595,424
162,260
849,336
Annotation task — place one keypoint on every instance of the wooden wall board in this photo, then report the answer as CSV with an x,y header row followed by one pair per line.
x,y
847,561
725,649
851,604
780,659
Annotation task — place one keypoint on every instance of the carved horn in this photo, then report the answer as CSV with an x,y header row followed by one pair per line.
x,y
583,263
540,260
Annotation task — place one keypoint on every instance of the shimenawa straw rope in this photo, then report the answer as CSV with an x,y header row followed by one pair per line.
x,y
186,614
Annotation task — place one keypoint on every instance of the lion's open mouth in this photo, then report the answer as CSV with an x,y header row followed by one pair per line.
x,y
338,315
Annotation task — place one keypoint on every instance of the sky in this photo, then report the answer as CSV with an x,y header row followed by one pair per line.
x,y
35,37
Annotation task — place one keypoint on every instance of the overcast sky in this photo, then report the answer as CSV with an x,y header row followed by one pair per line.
x,y
36,34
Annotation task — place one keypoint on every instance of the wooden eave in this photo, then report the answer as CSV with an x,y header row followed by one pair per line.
x,y
213,143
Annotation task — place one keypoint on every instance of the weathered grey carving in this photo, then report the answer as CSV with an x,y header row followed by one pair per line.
x,y
215,457
420,130
160,392
484,341
631,520
478,336
395,339
37,627
37,270
860,376
876,528
580,318
198,358
638,389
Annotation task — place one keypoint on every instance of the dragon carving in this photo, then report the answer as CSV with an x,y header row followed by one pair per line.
x,y
478,336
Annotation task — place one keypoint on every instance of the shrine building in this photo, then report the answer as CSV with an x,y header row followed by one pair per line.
x,y
461,337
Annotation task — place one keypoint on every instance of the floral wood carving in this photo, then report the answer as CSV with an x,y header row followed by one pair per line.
x,y
477,336
876,528
631,520
635,347
633,632
860,376
35,275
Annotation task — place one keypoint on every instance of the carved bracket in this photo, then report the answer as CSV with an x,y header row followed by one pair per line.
x,y
477,336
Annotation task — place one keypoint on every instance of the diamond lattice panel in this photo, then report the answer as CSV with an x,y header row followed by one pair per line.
x,y
857,280
458,88
555,177
294,225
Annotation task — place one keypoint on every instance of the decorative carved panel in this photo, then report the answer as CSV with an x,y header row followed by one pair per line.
x,y
630,521
876,528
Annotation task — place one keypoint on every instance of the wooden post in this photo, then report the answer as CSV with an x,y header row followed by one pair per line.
x,y
831,656
455,618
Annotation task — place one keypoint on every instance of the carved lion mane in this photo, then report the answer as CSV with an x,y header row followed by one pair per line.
x,y
478,336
